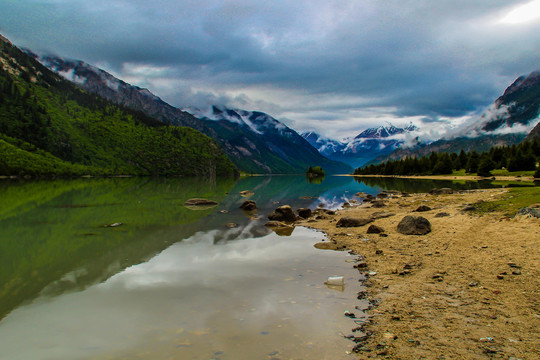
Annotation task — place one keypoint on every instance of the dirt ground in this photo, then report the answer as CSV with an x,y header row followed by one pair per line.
x,y
469,289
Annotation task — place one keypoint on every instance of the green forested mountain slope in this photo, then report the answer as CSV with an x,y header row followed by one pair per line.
x,y
50,126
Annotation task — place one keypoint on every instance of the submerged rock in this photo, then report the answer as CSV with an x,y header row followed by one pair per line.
x,y
414,225
200,202
249,205
246,193
353,222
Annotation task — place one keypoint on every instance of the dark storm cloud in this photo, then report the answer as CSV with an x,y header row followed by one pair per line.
x,y
407,58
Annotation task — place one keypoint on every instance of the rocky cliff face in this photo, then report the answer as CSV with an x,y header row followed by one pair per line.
x,y
519,104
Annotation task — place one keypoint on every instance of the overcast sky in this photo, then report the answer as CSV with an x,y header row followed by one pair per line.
x,y
337,66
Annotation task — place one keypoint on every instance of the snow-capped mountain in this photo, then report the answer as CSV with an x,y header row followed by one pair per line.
x,y
254,141
326,146
369,144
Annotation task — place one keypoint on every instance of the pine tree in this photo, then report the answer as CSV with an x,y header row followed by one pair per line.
x,y
472,162
485,167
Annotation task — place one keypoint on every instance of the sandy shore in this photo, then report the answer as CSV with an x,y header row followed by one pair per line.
x,y
469,289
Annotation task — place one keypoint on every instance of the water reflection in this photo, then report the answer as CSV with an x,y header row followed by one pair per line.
x,y
244,299
170,281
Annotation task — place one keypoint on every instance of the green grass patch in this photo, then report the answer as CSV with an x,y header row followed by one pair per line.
x,y
504,172
512,201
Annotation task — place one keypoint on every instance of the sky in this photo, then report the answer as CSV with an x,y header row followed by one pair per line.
x,y
333,66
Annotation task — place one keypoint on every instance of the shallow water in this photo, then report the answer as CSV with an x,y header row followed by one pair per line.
x,y
168,282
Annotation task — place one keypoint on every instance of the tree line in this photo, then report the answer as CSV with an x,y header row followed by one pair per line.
x,y
521,157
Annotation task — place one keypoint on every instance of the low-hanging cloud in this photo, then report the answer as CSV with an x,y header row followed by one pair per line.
x,y
390,60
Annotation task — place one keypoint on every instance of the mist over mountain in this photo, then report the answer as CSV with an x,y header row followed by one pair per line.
x,y
511,118
254,141
364,147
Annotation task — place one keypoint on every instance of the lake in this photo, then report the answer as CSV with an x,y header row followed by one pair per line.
x,y
120,269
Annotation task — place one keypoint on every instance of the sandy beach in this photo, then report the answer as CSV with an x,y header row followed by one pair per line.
x,y
469,289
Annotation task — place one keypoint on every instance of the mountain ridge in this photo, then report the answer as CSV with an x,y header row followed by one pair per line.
x,y
250,148
49,126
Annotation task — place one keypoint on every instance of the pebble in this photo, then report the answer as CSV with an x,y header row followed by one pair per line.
x,y
516,272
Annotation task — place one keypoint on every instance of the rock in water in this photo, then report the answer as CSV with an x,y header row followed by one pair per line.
x,y
414,225
200,204
353,222
304,213
249,205
283,213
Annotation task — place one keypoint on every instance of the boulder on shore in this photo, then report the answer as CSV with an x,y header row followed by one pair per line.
x,y
414,225
353,222
283,213
304,212
249,205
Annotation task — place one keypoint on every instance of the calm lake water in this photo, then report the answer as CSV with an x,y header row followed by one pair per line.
x,y
168,282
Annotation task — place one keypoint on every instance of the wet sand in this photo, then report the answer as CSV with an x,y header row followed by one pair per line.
x,y
469,289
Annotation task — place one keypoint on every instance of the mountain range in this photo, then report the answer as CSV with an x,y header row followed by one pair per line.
x,y
254,141
503,123
49,126
57,119
369,144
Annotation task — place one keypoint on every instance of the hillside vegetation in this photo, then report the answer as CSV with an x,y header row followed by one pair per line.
x,y
48,126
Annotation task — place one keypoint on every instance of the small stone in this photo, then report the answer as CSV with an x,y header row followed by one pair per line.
x,y
473,283
442,214
378,204
468,208
378,252
500,277
361,265
514,265
231,225
374,229
422,208
113,224
246,193
353,222
381,214
349,314
516,272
